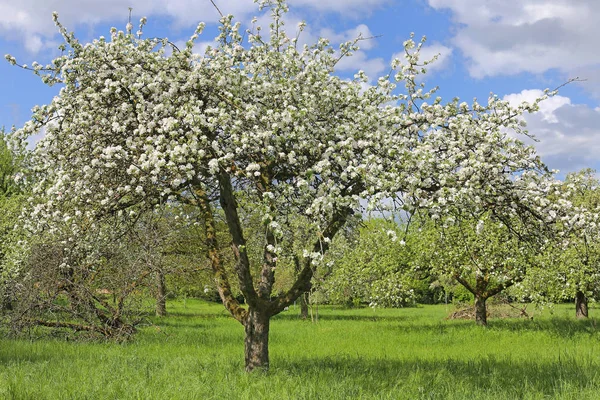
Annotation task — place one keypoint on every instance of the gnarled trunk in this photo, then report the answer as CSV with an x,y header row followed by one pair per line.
x,y
256,342
480,310
581,305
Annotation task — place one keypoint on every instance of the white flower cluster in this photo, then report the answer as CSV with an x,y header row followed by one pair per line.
x,y
134,126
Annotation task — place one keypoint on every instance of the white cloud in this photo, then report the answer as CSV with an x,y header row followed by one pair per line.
x,y
33,43
352,8
547,107
442,52
31,20
568,134
501,37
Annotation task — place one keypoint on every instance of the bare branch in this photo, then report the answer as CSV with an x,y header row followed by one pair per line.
x,y
576,79
217,8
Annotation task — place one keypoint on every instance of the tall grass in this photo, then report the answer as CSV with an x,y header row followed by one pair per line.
x,y
197,353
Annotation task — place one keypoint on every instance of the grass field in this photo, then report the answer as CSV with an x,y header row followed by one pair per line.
x,y
197,353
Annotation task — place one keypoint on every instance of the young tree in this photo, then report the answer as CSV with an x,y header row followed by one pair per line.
x,y
268,124
171,243
485,257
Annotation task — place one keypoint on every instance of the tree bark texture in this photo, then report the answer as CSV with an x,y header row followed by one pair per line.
x,y
256,342
480,310
581,305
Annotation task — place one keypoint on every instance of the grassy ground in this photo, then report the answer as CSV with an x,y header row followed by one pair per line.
x,y
197,353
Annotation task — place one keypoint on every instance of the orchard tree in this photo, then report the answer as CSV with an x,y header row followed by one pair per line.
x,y
485,257
260,120
582,268
8,167
13,169
172,244
570,266
88,284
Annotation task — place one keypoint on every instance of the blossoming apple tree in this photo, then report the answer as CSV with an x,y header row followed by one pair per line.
x,y
260,121
568,268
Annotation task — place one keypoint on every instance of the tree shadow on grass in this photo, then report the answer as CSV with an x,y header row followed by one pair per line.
x,y
556,326
559,326
292,316
17,357
563,327
506,377
183,324
199,314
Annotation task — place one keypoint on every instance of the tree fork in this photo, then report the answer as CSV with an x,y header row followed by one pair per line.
x,y
229,205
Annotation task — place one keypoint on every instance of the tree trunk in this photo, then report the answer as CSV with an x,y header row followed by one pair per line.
x,y
161,294
480,310
304,305
256,342
581,305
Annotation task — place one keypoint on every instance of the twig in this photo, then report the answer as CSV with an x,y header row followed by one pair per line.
x,y
217,8
576,79
358,39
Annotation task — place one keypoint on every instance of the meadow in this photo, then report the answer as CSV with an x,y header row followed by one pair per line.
x,y
412,353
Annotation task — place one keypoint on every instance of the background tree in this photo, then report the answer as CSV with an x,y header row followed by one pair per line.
x,y
173,245
583,266
92,284
13,193
485,257
570,268
374,269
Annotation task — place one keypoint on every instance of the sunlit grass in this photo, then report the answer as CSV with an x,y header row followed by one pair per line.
x,y
197,353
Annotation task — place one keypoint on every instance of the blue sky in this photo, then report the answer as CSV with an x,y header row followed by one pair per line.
x,y
514,48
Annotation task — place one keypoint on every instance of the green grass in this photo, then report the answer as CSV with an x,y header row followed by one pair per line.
x,y
197,353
